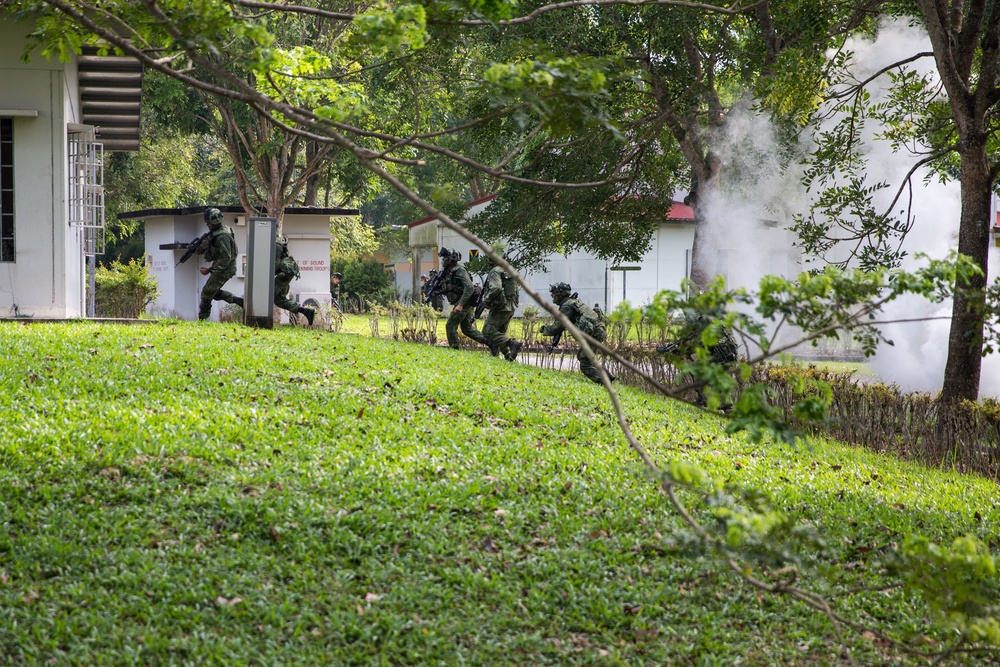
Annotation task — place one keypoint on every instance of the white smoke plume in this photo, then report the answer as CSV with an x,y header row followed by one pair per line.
x,y
741,221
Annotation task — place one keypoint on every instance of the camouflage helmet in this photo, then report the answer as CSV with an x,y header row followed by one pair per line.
x,y
560,290
281,239
444,252
213,217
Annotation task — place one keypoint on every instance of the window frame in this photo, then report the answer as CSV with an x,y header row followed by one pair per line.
x,y
8,246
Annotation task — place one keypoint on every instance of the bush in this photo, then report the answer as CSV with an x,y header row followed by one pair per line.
x,y
124,290
364,281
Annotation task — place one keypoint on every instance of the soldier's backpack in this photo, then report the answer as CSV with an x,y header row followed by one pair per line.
x,y
288,267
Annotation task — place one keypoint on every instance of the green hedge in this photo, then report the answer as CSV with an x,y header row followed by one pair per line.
x,y
124,290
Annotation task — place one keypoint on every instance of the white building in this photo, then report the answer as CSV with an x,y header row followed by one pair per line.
x,y
597,281
307,230
742,256
56,121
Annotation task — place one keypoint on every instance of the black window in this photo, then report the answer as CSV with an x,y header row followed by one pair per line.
x,y
6,190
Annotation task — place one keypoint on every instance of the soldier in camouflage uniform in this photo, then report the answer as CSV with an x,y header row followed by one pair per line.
x,y
335,289
219,249
286,269
585,319
456,285
501,297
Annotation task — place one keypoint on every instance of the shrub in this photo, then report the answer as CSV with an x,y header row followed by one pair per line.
x,y
124,290
364,281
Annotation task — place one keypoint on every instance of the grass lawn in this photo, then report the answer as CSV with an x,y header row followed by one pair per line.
x,y
205,494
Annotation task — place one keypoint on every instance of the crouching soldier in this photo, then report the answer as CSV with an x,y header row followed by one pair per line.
x,y
219,249
585,319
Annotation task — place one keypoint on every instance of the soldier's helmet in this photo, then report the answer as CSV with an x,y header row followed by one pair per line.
x,y
560,291
213,217
338,276
444,252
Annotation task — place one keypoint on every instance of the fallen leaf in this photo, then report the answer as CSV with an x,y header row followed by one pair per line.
x,y
500,512
371,597
361,610
489,544
275,534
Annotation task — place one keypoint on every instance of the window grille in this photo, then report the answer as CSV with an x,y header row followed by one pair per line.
x,y
7,190
86,190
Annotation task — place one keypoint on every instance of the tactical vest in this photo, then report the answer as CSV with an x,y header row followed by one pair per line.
x,y
222,236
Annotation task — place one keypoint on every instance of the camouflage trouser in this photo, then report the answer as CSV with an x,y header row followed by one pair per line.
x,y
586,367
467,320
212,291
281,299
495,329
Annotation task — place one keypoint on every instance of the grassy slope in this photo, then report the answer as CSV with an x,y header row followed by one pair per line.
x,y
369,502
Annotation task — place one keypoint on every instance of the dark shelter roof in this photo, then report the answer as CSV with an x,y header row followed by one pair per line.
x,y
197,210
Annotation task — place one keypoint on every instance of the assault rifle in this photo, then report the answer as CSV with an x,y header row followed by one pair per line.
x,y
192,248
434,287
481,303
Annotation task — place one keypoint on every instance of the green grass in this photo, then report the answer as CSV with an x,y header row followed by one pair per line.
x,y
212,494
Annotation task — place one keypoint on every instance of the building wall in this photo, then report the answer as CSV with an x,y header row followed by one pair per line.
x,y
664,266
75,278
45,280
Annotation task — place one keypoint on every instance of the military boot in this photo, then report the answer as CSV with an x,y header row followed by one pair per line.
x,y
238,300
309,313
494,350
204,310
515,347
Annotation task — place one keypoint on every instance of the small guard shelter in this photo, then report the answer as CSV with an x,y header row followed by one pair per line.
x,y
169,230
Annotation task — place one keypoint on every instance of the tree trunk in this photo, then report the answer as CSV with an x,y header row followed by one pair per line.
x,y
704,190
965,341
312,182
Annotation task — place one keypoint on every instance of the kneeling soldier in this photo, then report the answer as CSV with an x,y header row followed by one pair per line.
x,y
585,319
